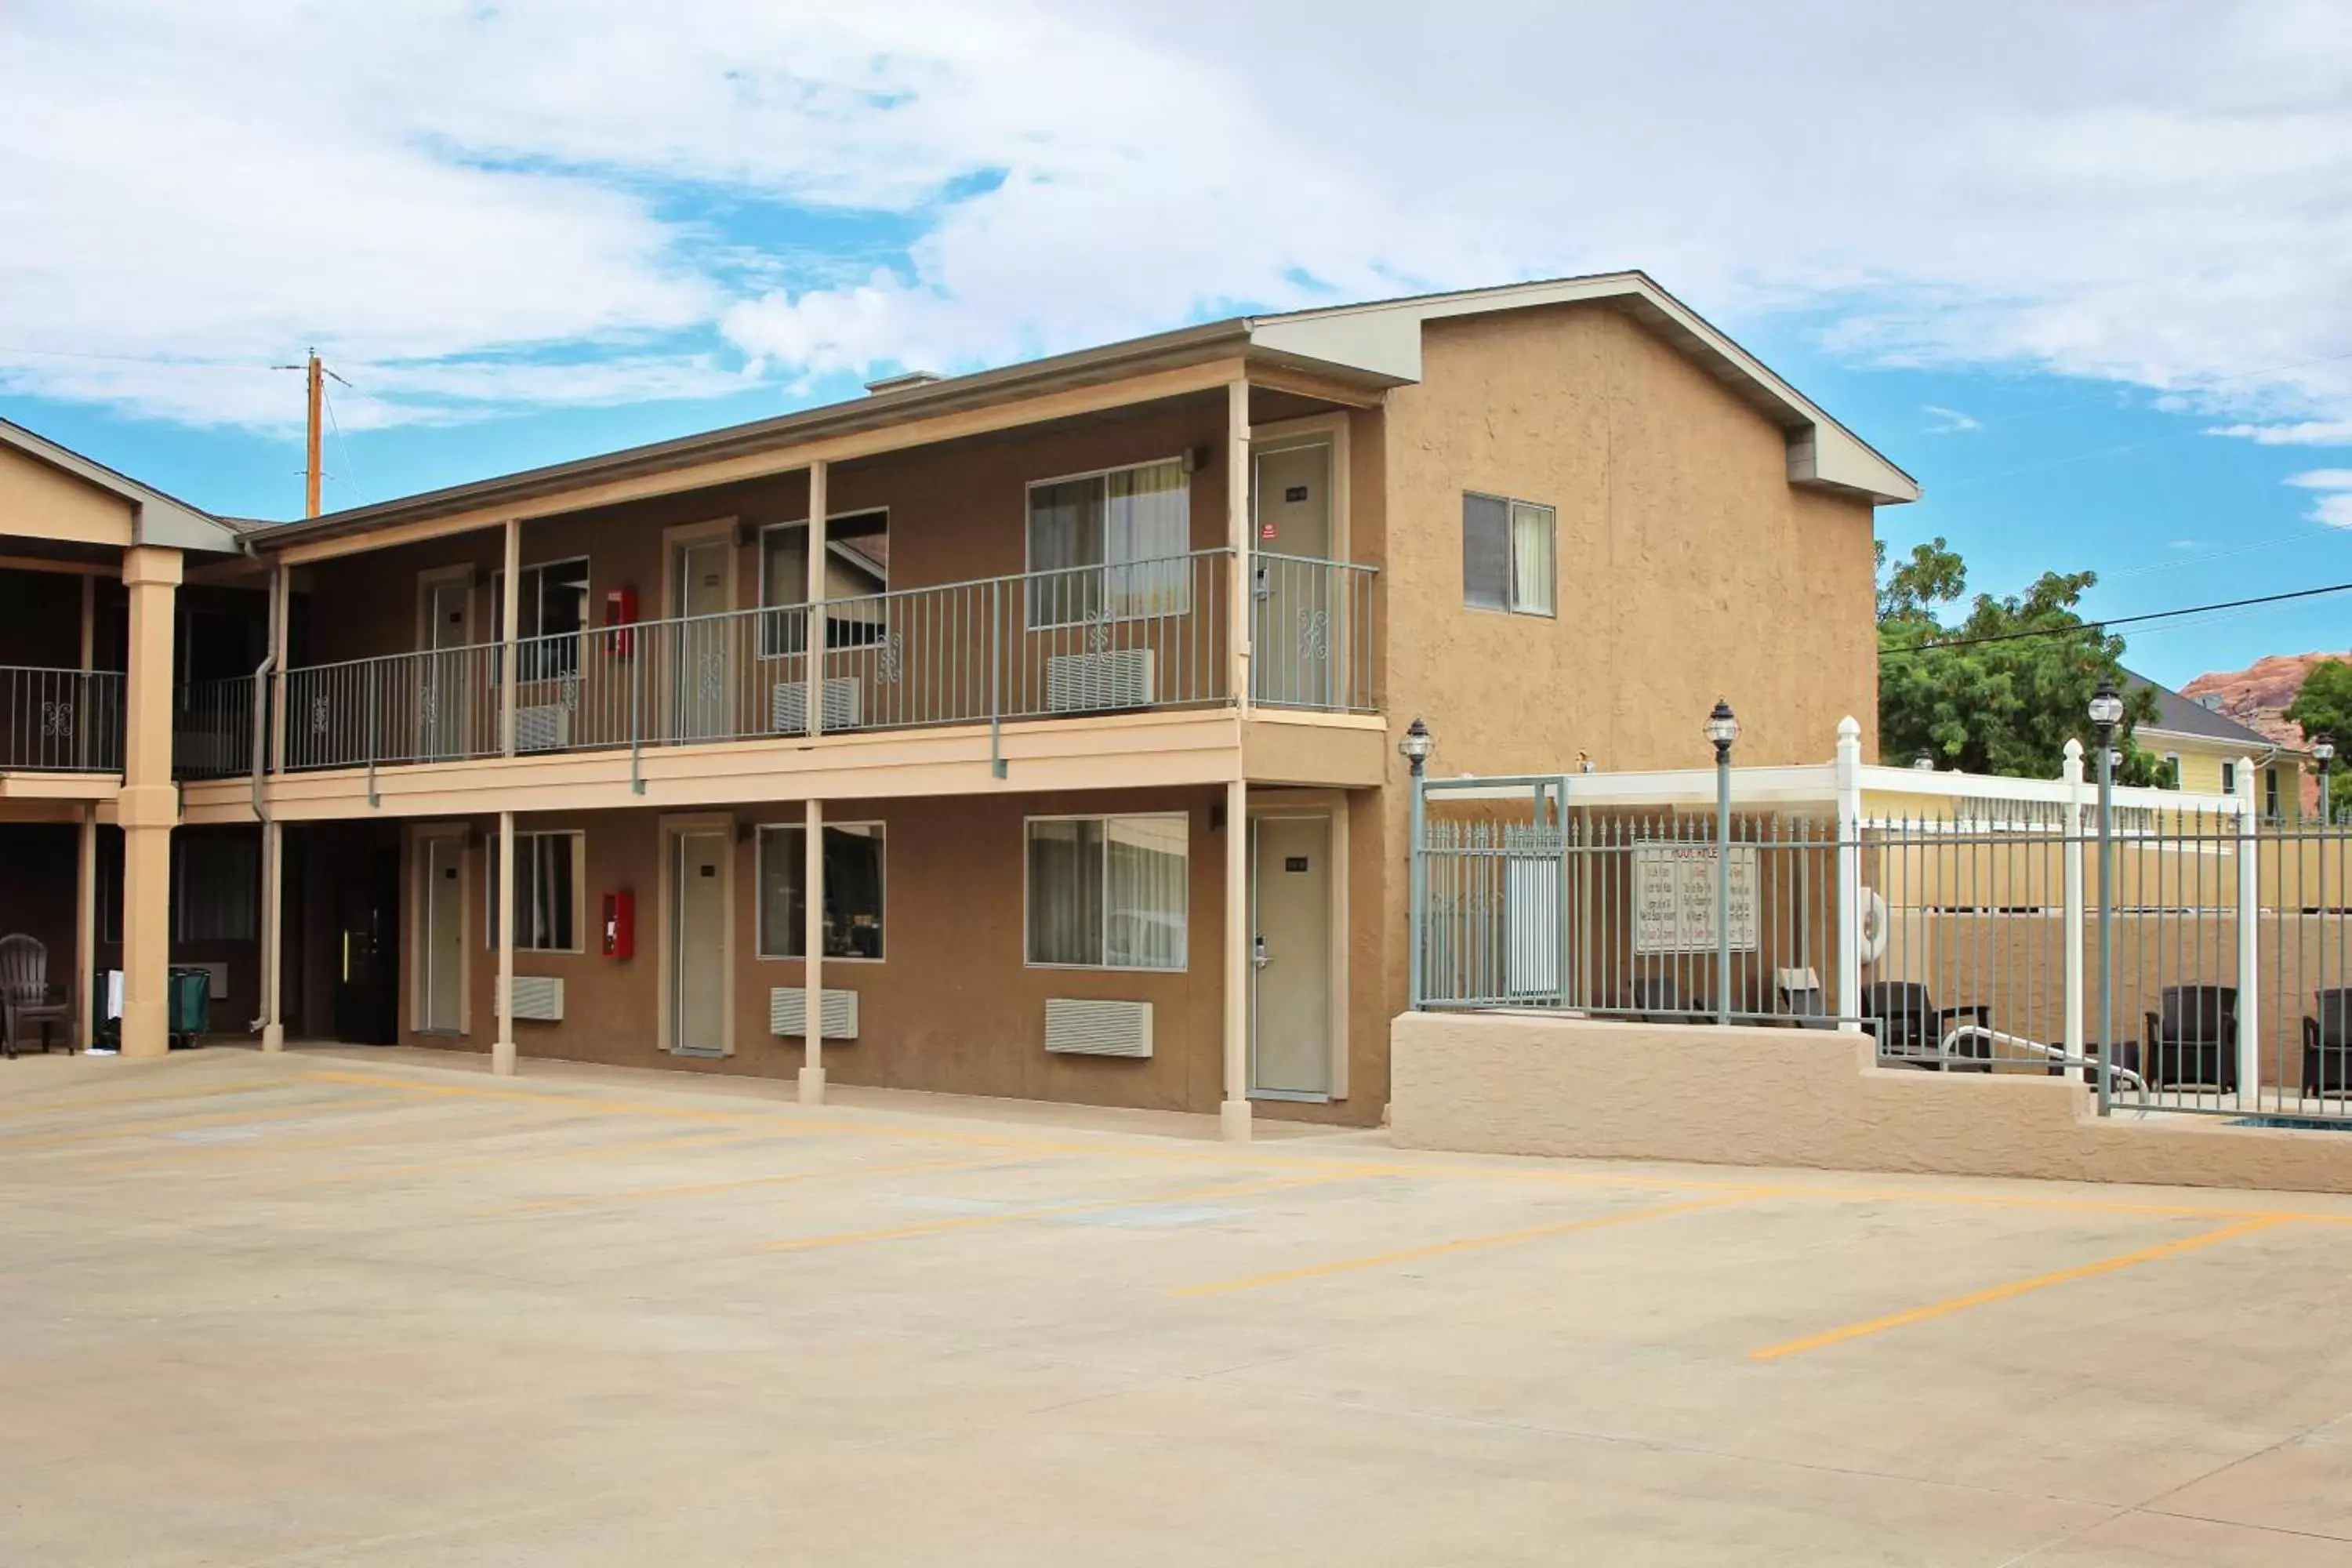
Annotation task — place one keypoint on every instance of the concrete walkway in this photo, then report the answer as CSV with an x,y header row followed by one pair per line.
x,y
380,1309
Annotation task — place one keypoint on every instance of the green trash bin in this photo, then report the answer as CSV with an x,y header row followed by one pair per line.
x,y
190,1011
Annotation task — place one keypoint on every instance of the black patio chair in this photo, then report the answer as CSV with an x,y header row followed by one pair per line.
x,y
2192,1038
2328,1044
1910,1028
26,998
1803,1001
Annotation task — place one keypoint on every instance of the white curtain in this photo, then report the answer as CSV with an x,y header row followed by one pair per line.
x,y
1065,881
1531,559
1146,518
1145,893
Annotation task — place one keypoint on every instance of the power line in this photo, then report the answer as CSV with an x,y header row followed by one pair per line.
x,y
2115,621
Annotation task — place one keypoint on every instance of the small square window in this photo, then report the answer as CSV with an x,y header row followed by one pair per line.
x,y
853,890
1509,555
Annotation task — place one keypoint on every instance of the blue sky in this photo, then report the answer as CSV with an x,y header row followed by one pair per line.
x,y
2092,293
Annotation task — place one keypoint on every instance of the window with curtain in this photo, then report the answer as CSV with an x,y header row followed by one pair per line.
x,y
216,886
1111,546
1108,891
551,612
1509,555
853,890
547,881
858,571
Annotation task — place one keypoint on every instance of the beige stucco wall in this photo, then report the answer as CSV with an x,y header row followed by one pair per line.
x,y
38,502
1521,1085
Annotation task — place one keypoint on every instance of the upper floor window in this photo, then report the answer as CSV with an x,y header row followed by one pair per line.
x,y
551,612
2269,794
2229,778
1110,546
1507,554
858,571
2172,770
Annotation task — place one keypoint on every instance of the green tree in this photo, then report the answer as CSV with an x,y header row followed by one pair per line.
x,y
2324,707
2004,706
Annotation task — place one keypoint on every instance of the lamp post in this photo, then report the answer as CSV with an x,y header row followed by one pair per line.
x,y
2322,751
1415,748
1723,729
2107,712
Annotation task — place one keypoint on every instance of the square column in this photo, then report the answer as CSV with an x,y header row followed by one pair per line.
x,y
813,954
502,1049
149,807
1234,1113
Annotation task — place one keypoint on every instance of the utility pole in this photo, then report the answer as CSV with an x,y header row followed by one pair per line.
x,y
311,468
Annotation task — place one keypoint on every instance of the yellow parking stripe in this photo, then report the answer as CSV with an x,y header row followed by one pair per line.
x,y
696,1189
2014,1287
1469,1243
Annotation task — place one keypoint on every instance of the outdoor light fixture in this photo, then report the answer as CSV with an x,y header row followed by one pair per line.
x,y
2106,709
1723,729
1416,745
2323,749
1924,762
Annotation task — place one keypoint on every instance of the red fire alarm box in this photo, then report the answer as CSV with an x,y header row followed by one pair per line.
x,y
621,924
621,613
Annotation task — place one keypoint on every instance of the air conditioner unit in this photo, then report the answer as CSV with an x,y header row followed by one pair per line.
x,y
539,997
1084,682
1083,1027
545,728
788,705
788,1012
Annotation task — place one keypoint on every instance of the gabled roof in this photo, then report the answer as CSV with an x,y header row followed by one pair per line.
x,y
1385,336
2185,716
1372,345
156,518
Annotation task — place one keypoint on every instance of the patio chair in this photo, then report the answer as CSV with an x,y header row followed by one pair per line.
x,y
1910,1028
1802,999
2193,1037
2328,1044
28,1000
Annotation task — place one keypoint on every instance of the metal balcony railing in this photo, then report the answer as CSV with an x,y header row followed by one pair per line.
x,y
211,729
1090,640
61,721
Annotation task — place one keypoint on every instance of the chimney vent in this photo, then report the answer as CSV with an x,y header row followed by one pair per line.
x,y
903,380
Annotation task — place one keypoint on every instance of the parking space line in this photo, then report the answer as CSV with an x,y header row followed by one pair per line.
x,y
117,1129
111,1103
696,1189
1011,1217
657,1145
350,1137
1470,1244
2016,1288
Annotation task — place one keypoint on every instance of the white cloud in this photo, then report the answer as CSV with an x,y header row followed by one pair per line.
x,y
1949,421
2333,506
450,198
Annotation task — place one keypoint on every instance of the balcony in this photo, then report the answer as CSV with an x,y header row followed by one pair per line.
x,y
61,721
1141,636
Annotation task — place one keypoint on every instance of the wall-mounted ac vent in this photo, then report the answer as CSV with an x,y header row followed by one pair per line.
x,y
788,705
788,1012
1085,1028
1117,677
539,997
546,726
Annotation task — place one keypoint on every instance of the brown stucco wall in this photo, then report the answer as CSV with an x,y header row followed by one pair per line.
x,y
1516,1085
951,1005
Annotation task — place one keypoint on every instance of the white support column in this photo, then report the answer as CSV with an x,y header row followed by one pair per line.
x,y
1848,784
273,936
1234,1113
502,1049
1243,535
148,808
511,596
2249,933
2078,800
813,952
819,474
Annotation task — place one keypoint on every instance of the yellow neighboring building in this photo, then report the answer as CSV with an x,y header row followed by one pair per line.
x,y
2205,748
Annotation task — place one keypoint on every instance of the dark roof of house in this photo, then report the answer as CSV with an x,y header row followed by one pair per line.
x,y
2181,715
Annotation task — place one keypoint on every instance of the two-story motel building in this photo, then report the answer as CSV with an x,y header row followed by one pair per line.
x,y
1034,729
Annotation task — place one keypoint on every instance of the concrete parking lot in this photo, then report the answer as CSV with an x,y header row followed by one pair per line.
x,y
380,1308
